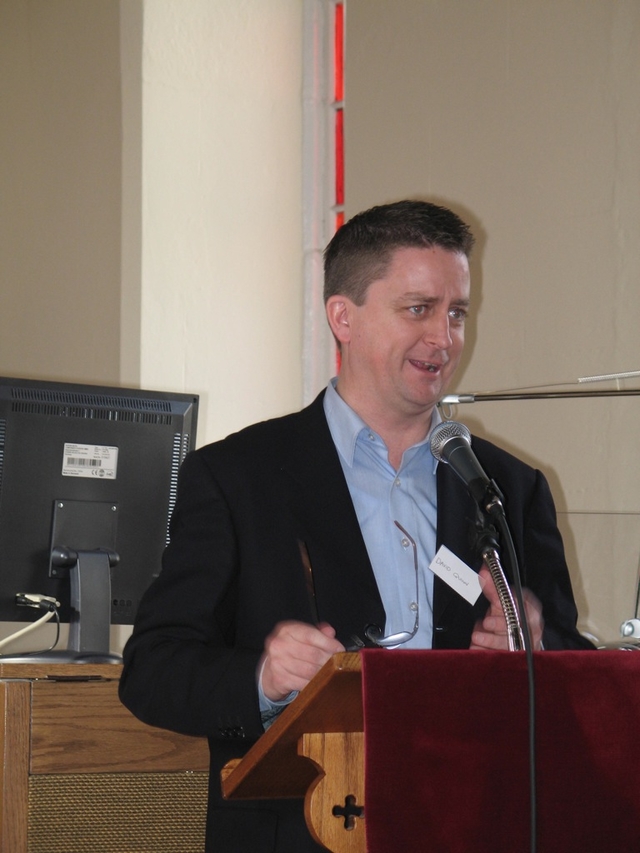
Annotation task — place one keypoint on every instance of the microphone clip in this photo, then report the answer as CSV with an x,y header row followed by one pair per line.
x,y
486,535
491,501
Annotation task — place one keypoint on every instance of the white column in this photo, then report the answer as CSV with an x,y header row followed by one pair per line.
x,y
221,241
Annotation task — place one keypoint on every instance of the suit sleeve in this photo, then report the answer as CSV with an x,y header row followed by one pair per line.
x,y
544,570
183,669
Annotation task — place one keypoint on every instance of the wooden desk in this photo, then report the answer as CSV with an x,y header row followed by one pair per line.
x,y
82,775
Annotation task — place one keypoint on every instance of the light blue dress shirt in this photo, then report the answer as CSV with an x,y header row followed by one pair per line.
x,y
381,495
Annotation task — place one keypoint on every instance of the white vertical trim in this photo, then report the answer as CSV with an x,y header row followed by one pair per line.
x,y
318,168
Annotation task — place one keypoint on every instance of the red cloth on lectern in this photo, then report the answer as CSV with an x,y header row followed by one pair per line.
x,y
447,762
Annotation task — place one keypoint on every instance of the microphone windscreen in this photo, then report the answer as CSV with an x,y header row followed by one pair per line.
x,y
443,433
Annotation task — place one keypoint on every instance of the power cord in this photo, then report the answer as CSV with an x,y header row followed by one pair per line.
x,y
39,602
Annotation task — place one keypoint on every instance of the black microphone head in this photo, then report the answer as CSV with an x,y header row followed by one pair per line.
x,y
443,433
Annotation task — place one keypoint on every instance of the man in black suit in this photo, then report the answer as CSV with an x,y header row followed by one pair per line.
x,y
228,634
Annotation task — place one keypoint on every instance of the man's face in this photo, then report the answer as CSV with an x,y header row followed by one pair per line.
x,y
401,347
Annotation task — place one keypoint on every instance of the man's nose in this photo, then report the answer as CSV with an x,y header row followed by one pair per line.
x,y
438,331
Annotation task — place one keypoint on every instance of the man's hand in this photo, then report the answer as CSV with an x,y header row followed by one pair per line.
x,y
491,632
294,652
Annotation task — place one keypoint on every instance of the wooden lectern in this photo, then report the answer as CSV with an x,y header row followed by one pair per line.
x,y
315,750
447,752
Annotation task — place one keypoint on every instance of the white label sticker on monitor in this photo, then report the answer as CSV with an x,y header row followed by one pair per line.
x,y
90,460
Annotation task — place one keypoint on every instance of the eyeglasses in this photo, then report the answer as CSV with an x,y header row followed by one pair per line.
x,y
372,633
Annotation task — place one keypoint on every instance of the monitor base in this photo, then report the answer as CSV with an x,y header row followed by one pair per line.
x,y
63,656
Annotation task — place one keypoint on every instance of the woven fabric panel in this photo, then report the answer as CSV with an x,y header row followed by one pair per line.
x,y
117,813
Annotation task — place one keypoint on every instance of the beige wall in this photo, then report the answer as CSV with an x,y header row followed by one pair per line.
x,y
60,178
523,116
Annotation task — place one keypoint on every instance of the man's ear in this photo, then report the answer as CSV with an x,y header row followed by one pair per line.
x,y
338,310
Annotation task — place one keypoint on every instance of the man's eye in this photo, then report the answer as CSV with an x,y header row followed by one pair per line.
x,y
418,310
458,314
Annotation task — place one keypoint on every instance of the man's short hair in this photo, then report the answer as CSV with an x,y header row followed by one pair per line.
x,y
361,249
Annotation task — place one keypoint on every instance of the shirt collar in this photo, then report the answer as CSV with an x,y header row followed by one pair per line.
x,y
346,426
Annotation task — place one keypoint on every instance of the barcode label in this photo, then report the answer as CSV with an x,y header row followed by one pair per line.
x,y
90,460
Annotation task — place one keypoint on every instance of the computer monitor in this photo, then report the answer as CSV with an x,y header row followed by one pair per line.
x,y
88,480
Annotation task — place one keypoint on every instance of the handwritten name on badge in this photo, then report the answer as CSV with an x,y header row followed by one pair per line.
x,y
457,574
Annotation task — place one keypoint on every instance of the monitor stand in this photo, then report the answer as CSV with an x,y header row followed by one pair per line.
x,y
90,578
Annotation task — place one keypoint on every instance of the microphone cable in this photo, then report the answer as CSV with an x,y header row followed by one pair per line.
x,y
505,532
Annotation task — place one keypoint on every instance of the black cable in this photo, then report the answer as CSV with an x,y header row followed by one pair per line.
x,y
501,521
635,612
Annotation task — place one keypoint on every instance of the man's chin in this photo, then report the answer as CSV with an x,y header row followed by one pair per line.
x,y
423,403
426,395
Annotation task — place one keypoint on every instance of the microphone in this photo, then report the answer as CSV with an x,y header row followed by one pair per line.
x,y
451,443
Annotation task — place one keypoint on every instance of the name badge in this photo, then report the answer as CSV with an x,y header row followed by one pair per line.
x,y
457,574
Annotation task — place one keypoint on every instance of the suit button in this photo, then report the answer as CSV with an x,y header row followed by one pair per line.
x,y
231,732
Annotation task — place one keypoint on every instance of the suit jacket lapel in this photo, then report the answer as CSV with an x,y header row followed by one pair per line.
x,y
346,590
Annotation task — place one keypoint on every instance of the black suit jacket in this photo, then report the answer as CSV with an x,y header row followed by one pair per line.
x,y
233,571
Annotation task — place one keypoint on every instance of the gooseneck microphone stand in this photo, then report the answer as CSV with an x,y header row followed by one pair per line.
x,y
488,547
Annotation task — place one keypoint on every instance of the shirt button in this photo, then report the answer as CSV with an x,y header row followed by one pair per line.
x,y
371,437
405,542
413,606
396,482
